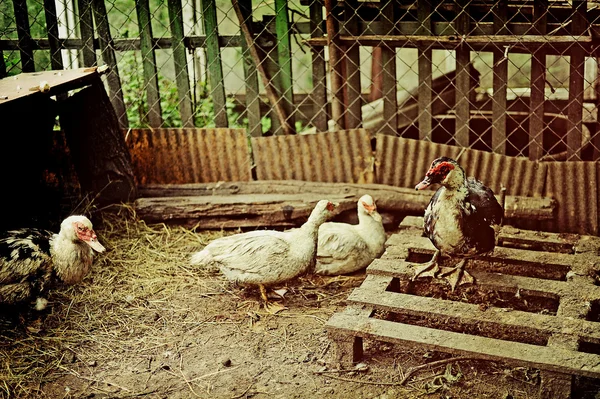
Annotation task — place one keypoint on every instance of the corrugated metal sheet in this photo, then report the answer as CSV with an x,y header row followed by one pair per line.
x,y
189,155
342,156
403,162
575,186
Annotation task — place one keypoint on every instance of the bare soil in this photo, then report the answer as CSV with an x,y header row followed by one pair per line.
x,y
144,324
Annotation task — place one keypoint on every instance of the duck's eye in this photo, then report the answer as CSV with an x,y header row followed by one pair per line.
x,y
79,228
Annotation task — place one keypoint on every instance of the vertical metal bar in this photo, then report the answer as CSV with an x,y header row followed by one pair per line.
x,y
142,8
388,60
463,78
424,9
181,70
284,58
86,29
500,81
538,84
52,28
108,55
24,34
335,66
576,71
251,75
351,59
318,95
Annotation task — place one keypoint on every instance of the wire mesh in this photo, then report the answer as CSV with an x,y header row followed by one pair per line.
x,y
511,77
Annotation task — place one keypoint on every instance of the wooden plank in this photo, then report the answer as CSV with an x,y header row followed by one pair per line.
x,y
24,34
463,78
335,66
351,62
373,293
388,61
142,8
547,358
252,109
284,59
500,81
425,72
108,55
181,68
52,29
86,30
318,95
576,84
538,84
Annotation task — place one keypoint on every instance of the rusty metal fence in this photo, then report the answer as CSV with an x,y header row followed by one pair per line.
x,y
510,77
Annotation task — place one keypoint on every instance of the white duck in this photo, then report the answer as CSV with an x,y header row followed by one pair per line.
x,y
345,248
33,260
266,257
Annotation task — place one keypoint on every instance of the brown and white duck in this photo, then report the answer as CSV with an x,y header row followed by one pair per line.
x,y
459,219
266,257
345,248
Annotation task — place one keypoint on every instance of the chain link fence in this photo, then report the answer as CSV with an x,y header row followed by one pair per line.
x,y
511,77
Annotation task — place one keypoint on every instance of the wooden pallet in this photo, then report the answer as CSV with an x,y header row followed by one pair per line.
x,y
535,304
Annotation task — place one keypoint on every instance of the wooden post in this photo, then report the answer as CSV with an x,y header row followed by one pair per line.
x,y
108,55
86,29
388,61
181,70
576,71
425,72
538,84
463,78
251,75
24,34
2,65
352,92
142,8
284,58
335,66
52,29
318,95
500,80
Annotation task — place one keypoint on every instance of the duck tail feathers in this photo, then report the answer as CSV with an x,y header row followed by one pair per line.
x,y
201,258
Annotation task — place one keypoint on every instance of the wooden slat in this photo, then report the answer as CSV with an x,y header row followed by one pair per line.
x,y
500,81
86,30
576,84
142,8
352,84
24,34
388,60
425,72
181,70
108,55
335,66
284,59
251,74
463,79
52,29
538,84
547,358
318,95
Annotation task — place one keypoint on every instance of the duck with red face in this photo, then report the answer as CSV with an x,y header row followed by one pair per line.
x,y
459,219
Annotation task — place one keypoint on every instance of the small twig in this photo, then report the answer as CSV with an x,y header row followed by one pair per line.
x,y
211,374
413,370
335,377
243,393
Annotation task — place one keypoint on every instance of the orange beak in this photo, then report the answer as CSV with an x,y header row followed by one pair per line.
x,y
369,208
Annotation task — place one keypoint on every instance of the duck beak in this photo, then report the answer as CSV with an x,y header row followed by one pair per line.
x,y
95,244
369,208
424,184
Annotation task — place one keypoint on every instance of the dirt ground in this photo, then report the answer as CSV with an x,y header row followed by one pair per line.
x,y
144,324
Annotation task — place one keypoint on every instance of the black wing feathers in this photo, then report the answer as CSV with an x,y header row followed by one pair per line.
x,y
482,211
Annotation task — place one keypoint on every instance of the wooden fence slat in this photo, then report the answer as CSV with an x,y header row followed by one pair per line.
x,y
318,95
500,81
335,66
463,78
284,58
108,55
213,58
425,72
388,60
538,84
52,29
351,63
142,8
251,75
576,82
86,30
181,69
24,34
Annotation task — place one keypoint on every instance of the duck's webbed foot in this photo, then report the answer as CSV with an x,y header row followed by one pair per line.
x,y
272,308
458,275
429,269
